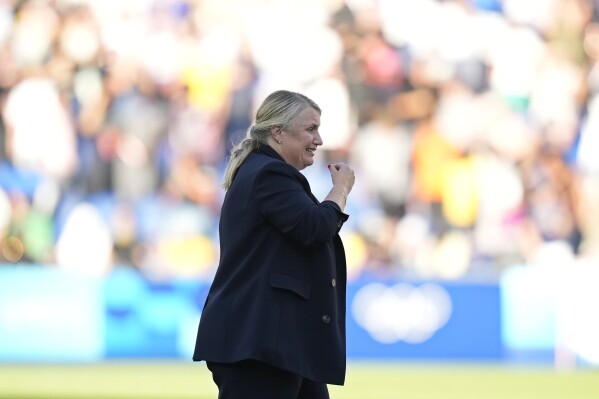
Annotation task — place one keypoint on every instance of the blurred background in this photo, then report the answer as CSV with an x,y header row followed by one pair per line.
x,y
473,127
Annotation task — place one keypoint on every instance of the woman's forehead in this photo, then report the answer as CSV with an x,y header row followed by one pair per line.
x,y
309,116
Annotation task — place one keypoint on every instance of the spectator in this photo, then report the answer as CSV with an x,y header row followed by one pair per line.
x,y
472,124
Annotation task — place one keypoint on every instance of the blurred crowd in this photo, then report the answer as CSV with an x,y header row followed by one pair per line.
x,y
473,127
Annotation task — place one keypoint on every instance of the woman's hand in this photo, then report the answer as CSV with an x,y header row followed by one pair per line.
x,y
343,178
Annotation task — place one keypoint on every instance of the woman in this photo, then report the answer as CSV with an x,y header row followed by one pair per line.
x,y
273,325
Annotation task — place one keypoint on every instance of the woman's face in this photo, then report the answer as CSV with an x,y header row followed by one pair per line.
x,y
300,140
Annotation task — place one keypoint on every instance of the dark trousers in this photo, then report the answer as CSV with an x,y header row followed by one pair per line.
x,y
251,379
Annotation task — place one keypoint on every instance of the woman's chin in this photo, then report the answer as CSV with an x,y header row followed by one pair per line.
x,y
308,162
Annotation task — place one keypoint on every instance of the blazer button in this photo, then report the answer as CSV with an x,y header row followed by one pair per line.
x,y
334,282
339,224
326,319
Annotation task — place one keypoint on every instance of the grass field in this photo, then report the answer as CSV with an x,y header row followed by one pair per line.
x,y
155,380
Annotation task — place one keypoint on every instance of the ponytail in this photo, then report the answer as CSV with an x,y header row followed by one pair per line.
x,y
238,154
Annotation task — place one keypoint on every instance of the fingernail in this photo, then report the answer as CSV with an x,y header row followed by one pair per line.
x,y
329,166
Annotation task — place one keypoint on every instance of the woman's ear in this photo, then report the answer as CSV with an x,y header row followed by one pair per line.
x,y
276,133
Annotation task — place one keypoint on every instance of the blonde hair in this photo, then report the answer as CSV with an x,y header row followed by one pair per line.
x,y
280,108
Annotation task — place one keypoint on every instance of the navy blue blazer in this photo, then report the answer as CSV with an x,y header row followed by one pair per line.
x,y
278,295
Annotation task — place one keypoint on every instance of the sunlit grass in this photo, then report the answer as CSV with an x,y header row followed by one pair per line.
x,y
152,380
107,380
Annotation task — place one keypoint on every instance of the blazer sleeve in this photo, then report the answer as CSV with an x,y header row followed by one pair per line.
x,y
283,201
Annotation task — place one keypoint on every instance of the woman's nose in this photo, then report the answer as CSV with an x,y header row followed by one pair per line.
x,y
317,139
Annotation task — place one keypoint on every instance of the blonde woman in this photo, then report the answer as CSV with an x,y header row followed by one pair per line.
x,y
273,325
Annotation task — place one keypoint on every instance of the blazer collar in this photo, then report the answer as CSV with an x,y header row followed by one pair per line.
x,y
268,150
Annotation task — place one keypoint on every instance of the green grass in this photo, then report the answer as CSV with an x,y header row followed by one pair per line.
x,y
153,380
